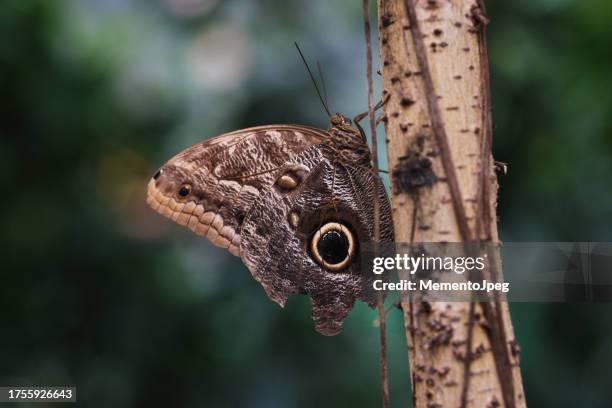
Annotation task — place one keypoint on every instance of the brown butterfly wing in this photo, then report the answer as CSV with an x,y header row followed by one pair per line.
x,y
232,197
214,172
278,229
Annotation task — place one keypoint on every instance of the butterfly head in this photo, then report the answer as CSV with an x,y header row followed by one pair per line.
x,y
343,124
349,140
340,120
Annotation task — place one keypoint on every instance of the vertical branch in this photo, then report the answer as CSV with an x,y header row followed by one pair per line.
x,y
372,119
435,73
439,131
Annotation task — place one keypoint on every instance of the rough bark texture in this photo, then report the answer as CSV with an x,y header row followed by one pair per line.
x,y
435,72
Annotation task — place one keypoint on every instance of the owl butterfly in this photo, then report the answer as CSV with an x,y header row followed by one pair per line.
x,y
296,203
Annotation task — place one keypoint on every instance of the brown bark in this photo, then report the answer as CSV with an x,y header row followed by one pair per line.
x,y
435,72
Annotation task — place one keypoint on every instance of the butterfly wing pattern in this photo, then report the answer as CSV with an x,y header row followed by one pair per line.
x,y
294,202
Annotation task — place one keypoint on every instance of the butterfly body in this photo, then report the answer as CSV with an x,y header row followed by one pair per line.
x,y
294,202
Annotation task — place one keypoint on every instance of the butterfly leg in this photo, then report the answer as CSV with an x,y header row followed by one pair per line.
x,y
362,115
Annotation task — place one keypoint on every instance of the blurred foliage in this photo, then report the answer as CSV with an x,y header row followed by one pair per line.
x,y
100,293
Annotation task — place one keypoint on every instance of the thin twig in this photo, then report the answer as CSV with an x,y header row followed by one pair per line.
x,y
499,347
494,315
492,311
483,214
468,356
372,120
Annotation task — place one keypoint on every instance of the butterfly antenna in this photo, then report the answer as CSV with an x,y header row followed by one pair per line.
x,y
313,79
322,83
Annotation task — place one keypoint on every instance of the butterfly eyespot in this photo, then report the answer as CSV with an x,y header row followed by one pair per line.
x,y
287,182
291,177
294,219
184,191
333,246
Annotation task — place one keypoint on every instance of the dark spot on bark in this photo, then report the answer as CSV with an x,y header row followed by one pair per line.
x,y
479,350
443,336
413,172
494,403
424,307
451,383
478,17
405,101
394,80
486,327
515,349
420,143
444,371
458,354
395,114
437,32
458,343
386,20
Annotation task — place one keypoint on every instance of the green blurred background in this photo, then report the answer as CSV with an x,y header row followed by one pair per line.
x,y
99,292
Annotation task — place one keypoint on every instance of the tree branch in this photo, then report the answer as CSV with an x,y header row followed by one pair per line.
x,y
384,370
435,72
